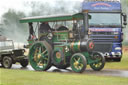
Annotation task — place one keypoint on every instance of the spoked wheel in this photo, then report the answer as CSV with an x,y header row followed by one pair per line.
x,y
7,62
39,56
99,65
78,63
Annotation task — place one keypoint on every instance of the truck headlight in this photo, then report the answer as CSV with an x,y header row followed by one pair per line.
x,y
118,53
118,48
113,53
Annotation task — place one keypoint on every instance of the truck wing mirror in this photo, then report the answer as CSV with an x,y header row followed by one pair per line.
x,y
124,18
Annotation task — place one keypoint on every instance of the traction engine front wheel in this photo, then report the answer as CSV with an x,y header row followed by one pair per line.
x,y
78,63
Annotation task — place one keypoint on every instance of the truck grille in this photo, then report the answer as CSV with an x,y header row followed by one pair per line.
x,y
18,52
103,47
102,33
102,37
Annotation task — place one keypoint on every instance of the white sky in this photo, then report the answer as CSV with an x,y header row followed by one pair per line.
x,y
18,4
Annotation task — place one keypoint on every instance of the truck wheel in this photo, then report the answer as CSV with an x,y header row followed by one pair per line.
x,y
7,62
100,61
24,62
78,63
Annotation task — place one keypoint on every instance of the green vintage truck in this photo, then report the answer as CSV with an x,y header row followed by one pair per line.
x,y
9,55
62,41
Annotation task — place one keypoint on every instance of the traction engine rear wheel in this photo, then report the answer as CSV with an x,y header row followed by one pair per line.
x,y
40,56
78,63
99,65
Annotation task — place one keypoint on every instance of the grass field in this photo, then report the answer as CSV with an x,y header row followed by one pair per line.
x,y
22,77
18,77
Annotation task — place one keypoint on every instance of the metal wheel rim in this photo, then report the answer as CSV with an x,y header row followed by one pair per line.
x,y
6,62
98,64
39,56
77,63
58,60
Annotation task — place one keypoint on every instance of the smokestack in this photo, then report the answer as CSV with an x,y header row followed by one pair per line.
x,y
86,23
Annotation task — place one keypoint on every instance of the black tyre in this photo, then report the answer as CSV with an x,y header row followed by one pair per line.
x,y
24,62
117,59
99,65
7,62
62,66
78,63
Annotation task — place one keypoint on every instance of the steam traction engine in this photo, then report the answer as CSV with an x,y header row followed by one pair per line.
x,y
59,45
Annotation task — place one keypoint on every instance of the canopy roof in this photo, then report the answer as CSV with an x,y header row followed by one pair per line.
x,y
53,18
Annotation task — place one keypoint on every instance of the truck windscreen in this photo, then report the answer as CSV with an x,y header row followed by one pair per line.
x,y
105,19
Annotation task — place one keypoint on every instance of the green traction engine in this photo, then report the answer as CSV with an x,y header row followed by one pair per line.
x,y
62,41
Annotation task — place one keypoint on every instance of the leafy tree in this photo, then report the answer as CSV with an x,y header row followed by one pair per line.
x,y
127,2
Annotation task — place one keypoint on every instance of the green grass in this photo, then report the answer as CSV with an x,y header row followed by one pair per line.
x,y
22,77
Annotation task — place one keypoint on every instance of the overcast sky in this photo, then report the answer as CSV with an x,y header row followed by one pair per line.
x,y
19,4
